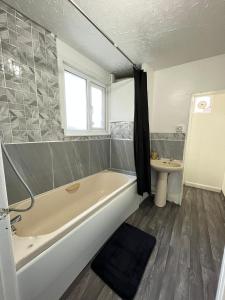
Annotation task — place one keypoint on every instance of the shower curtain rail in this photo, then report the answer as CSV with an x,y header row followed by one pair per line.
x,y
103,33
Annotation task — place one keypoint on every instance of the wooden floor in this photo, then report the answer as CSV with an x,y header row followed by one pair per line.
x,y
185,263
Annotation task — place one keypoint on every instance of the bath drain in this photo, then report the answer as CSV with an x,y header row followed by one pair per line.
x,y
31,245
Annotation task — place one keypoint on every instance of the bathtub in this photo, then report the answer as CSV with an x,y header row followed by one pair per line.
x,y
66,227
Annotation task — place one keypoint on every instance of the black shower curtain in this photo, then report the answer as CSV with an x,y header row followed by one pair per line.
x,y
141,133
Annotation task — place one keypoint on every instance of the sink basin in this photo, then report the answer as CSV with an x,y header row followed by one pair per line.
x,y
164,167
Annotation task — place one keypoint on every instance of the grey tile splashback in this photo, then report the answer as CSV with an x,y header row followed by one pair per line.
x,y
168,149
122,155
172,136
168,145
99,155
45,166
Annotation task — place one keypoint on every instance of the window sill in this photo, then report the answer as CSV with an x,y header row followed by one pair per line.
x,y
85,133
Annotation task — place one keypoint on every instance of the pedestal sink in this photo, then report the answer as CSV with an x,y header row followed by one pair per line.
x,y
164,167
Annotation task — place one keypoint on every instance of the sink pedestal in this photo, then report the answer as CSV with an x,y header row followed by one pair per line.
x,y
164,167
161,189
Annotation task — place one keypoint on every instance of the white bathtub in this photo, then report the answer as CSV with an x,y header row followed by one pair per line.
x,y
66,227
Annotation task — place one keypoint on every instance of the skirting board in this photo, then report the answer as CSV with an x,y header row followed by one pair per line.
x,y
203,186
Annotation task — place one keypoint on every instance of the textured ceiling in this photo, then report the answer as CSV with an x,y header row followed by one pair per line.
x,y
162,33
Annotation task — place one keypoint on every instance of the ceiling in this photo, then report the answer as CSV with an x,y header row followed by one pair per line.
x,y
161,33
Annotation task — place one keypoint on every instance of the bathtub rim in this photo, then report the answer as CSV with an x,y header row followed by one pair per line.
x,y
19,203
87,212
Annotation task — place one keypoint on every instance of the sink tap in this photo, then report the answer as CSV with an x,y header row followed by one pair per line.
x,y
15,220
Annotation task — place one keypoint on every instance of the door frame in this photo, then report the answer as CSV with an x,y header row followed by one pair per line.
x,y
8,279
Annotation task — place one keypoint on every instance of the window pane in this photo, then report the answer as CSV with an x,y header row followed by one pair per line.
x,y
97,108
76,102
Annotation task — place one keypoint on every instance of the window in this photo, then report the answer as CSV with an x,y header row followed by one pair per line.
x,y
85,105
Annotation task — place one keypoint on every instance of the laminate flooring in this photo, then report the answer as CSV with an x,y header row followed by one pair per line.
x,y
185,263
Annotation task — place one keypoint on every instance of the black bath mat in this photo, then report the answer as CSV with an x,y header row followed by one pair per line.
x,y
122,260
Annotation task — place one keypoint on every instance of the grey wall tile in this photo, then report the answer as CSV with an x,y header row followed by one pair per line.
x,y
122,130
30,69
34,135
45,166
19,136
154,177
15,190
3,96
6,132
4,108
122,155
99,155
34,163
172,136
168,149
62,156
81,159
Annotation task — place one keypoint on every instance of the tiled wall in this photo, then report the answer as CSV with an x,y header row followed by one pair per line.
x,y
122,155
122,152
122,130
167,145
29,96
47,165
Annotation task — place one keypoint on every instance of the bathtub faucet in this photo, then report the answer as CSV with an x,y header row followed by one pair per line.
x,y
15,220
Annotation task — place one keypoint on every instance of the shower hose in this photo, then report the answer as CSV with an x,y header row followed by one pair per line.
x,y
7,210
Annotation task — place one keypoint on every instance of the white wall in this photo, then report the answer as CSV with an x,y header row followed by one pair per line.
x,y
205,153
174,87
80,62
170,91
121,105
71,57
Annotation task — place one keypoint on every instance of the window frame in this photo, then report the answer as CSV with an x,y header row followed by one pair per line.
x,y
89,82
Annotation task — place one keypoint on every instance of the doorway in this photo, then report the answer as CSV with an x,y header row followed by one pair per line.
x,y
204,164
